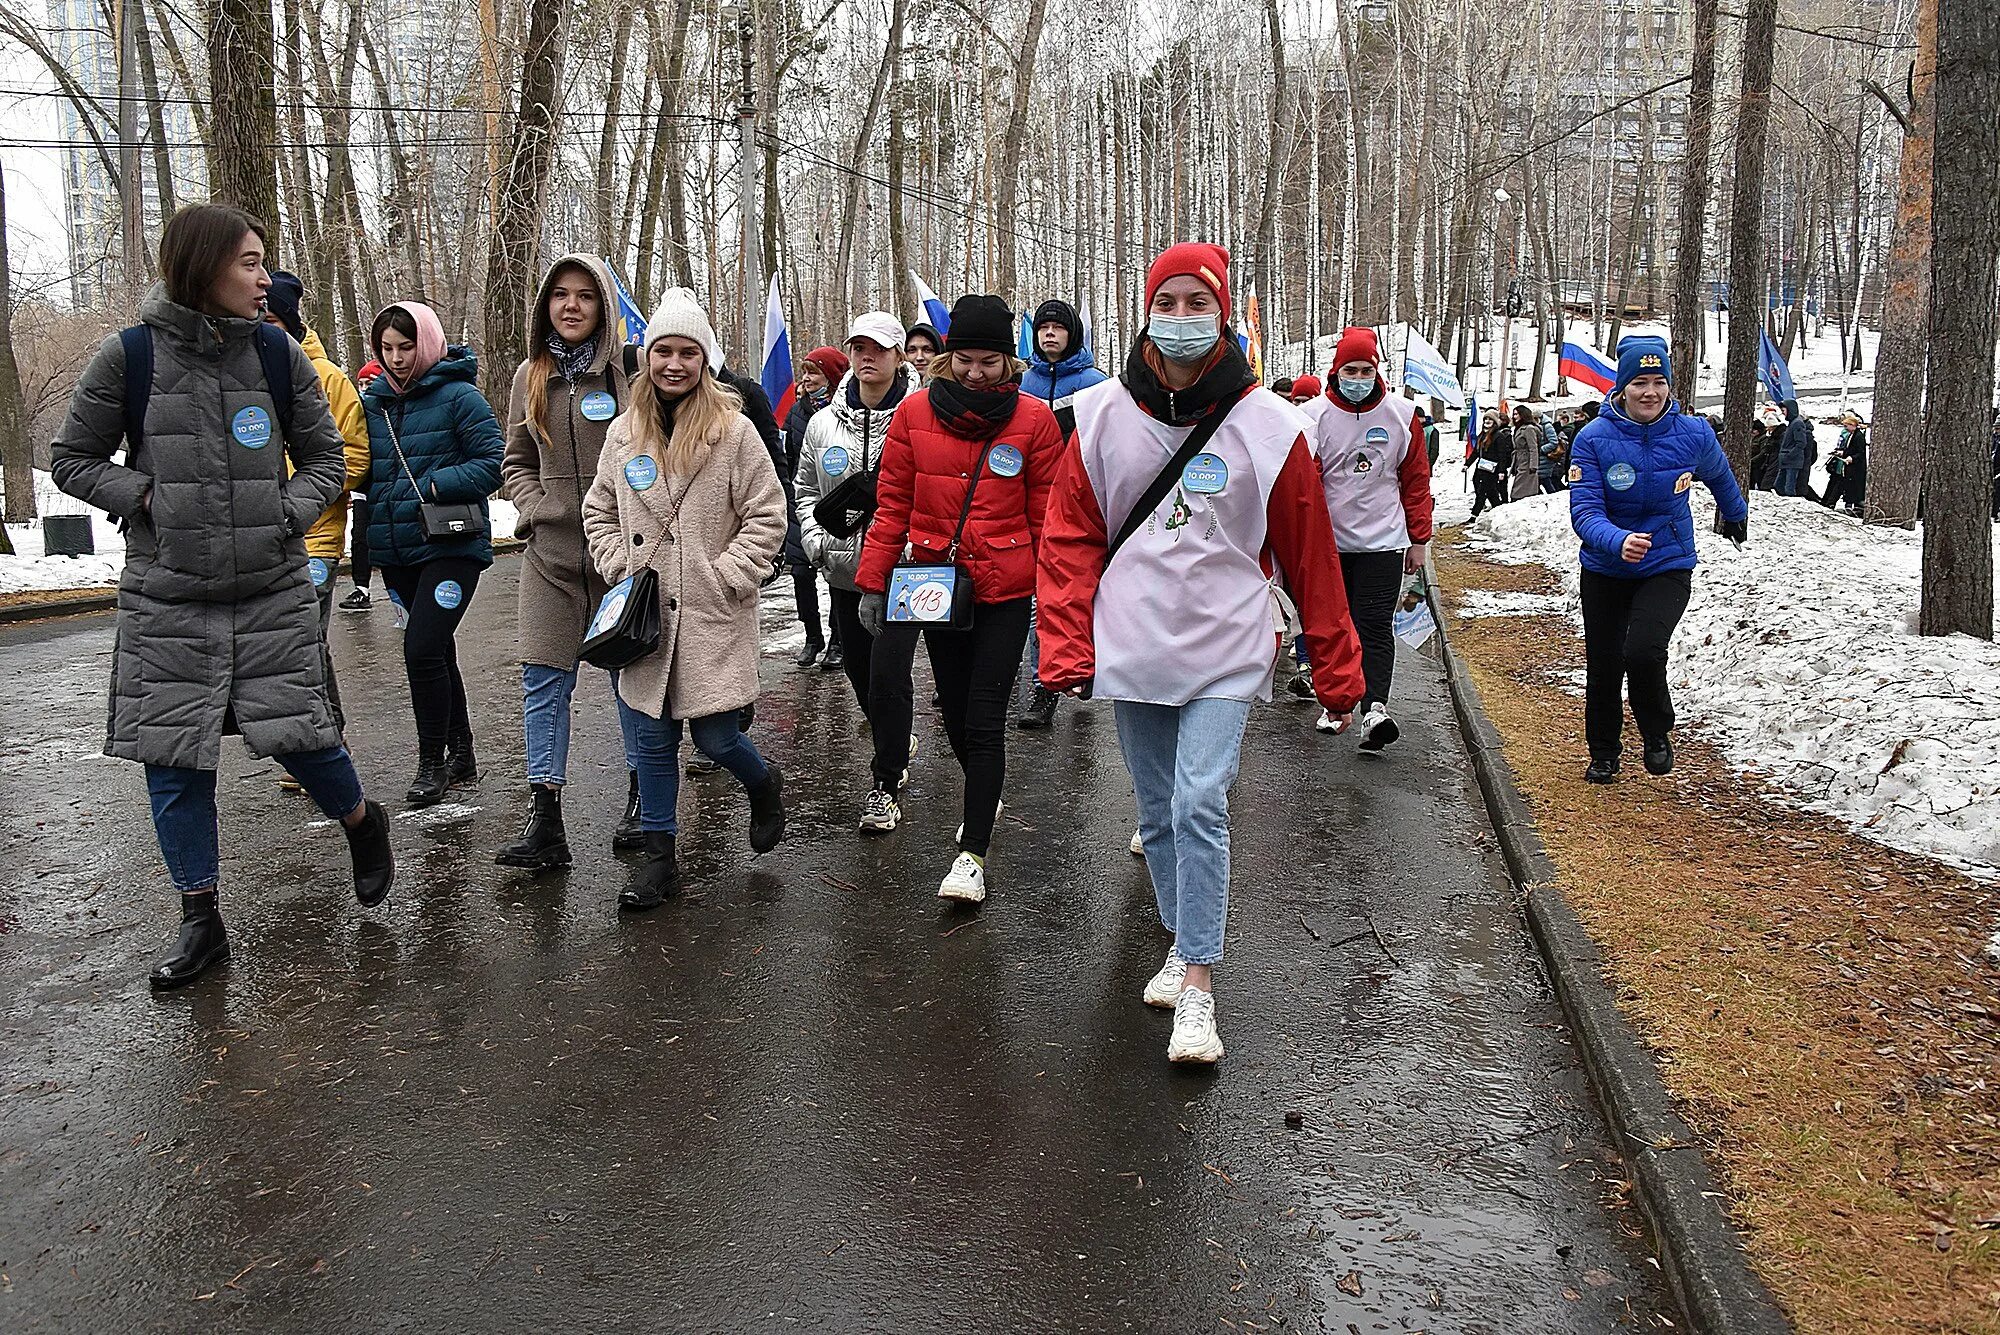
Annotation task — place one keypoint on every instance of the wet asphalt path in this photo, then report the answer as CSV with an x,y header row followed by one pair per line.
x,y
807,1097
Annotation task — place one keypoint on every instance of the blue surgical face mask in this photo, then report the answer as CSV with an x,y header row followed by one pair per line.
x,y
1355,391
1184,338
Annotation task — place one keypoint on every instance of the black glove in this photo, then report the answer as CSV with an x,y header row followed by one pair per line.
x,y
873,613
1736,530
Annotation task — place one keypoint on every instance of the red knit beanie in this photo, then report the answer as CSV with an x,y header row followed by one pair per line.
x,y
832,363
1357,344
1196,259
1305,387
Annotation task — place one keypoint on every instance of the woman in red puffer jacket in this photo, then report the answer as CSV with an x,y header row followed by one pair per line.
x,y
966,473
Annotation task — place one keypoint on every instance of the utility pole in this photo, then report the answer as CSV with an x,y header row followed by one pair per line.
x,y
746,119
131,195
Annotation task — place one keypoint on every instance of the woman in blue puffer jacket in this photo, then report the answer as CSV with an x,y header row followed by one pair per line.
x,y
434,439
1630,474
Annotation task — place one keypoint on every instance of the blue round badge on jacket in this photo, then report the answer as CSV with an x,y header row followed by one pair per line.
x,y
599,406
320,571
1004,460
1620,476
835,461
642,472
252,428
449,594
1378,435
1205,475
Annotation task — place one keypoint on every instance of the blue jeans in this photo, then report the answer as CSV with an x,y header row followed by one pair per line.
x,y
184,809
1183,760
1789,480
545,699
655,743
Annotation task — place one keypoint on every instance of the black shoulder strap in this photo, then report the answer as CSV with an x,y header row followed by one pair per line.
x,y
274,349
1156,490
964,511
138,344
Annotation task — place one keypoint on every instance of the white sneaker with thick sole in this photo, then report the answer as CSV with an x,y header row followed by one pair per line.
x,y
998,808
1377,729
1138,844
966,881
1195,1039
1163,989
1326,722
880,814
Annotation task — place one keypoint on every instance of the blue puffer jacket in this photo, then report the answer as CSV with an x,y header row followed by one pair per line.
x,y
1625,478
453,444
1059,383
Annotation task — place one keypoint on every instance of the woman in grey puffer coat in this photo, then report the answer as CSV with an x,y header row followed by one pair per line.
x,y
218,624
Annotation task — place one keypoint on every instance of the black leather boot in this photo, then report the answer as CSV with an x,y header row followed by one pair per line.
x,y
1659,755
655,879
1602,771
628,834
810,653
202,942
374,861
767,811
461,766
428,788
543,845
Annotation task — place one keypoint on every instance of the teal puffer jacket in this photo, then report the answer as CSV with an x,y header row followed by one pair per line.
x,y
453,445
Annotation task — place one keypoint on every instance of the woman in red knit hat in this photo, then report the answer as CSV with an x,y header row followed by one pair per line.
x,y
817,375
1181,489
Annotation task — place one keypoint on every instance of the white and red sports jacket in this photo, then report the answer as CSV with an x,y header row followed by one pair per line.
x,y
1184,612
1375,470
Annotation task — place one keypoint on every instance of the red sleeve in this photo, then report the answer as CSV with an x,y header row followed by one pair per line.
x,y
1414,481
1045,462
1301,538
889,530
1072,561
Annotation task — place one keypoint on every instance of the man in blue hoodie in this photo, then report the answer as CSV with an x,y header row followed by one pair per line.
x,y
1630,475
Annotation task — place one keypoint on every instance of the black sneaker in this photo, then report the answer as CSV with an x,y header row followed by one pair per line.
x,y
358,601
1602,771
1659,756
1301,686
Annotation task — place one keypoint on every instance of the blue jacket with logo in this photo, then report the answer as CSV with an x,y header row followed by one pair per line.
x,y
1625,478
454,447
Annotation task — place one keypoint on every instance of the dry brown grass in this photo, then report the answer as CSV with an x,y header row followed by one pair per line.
x,y
1819,1004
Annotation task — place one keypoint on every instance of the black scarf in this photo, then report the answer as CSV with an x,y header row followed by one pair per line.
x,y
1227,376
572,359
899,384
974,414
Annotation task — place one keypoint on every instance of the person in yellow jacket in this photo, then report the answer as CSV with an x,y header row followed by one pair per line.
x,y
327,538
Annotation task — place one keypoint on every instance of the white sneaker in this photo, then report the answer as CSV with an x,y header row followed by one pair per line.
x,y
881,813
911,761
1195,1039
1377,728
1164,988
998,808
1327,723
1138,844
966,881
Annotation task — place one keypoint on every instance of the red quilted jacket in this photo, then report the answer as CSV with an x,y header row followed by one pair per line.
x,y
921,489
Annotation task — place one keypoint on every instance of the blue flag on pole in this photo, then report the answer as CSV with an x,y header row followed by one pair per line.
x,y
1776,375
628,321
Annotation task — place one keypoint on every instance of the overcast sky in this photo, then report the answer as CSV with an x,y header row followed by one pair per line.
x,y
34,173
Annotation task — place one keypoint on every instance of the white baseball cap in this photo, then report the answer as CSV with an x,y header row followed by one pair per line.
x,y
879,328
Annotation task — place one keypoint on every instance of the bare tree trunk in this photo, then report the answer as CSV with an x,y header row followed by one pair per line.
x,y
607,141
17,474
1009,191
156,129
1895,471
864,137
1690,257
1965,255
667,150
1746,236
399,205
1275,155
516,237
242,145
902,292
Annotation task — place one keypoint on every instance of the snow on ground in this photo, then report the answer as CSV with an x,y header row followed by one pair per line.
x,y
1797,659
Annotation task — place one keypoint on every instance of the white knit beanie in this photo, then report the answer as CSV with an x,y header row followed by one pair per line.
x,y
679,315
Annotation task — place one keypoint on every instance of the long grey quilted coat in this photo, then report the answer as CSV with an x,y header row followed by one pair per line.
x,y
218,626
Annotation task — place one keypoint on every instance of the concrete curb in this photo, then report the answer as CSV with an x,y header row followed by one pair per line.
x,y
1700,1250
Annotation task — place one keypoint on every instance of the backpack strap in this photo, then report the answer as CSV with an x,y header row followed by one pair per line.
x,y
138,345
274,349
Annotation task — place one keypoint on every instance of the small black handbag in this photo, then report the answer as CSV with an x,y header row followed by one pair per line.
x,y
627,625
441,521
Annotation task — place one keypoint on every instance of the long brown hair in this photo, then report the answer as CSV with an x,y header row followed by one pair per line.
x,y
701,416
542,362
197,242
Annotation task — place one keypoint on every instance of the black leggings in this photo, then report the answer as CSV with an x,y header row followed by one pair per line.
x,y
358,567
974,670
1627,625
856,645
435,595
1374,580
805,596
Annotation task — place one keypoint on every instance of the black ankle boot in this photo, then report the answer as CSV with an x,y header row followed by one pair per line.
x,y
202,942
655,879
1041,709
810,654
543,845
374,861
1659,755
428,788
1602,771
628,835
833,660
767,811
461,766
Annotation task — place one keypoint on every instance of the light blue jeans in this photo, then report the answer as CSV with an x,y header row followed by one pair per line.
x,y
546,694
655,743
1183,761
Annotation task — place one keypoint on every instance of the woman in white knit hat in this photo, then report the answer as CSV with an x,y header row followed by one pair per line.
x,y
684,485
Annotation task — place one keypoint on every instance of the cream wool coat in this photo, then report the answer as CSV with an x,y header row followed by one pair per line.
x,y
711,563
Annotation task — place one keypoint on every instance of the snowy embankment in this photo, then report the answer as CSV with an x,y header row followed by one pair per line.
x,y
1797,659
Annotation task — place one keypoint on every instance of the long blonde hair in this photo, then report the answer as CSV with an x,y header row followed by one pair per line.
x,y
702,415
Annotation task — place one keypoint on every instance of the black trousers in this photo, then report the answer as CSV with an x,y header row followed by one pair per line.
x,y
1488,489
357,518
435,595
1374,582
856,645
1627,625
805,599
974,670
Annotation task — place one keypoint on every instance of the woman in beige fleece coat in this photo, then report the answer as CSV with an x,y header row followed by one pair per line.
x,y
685,486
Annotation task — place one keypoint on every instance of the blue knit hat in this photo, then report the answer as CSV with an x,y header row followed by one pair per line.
x,y
1641,354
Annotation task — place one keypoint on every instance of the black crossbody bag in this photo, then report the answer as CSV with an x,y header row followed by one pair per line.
x,y
937,594
441,521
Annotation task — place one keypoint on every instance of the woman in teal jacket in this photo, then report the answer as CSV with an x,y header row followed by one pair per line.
x,y
434,439
1630,474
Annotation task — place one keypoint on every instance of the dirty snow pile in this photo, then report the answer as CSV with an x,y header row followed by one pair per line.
x,y
1798,658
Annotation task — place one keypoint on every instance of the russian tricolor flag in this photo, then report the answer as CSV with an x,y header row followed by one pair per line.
x,y
936,314
777,374
1581,363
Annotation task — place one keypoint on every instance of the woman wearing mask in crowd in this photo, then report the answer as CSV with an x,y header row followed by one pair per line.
x,y
559,409
685,486
434,442
1629,477
966,471
922,344
1155,594
818,374
217,619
